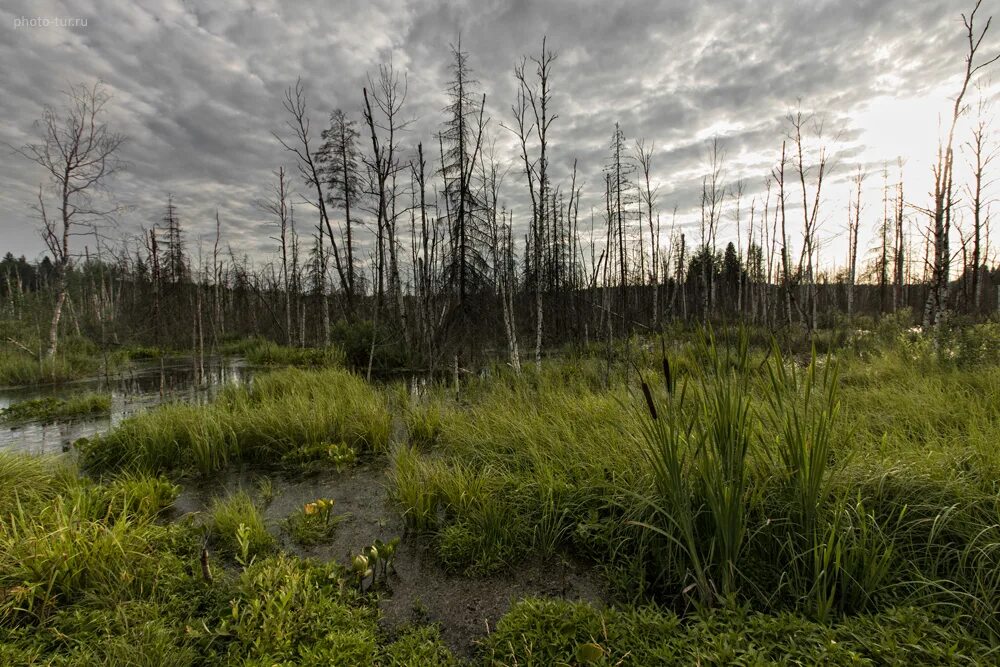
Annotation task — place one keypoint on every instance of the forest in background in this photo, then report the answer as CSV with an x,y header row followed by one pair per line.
x,y
409,251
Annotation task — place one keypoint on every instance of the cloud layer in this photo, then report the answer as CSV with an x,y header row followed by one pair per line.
x,y
197,88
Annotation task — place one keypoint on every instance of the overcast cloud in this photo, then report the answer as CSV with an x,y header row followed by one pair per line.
x,y
197,89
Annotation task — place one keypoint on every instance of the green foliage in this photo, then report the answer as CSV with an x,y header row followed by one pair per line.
x,y
320,456
31,480
826,486
699,464
290,611
419,647
374,562
280,413
355,338
90,576
54,409
89,540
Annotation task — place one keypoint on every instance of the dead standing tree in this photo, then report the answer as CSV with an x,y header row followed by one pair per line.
x,y
983,152
810,217
853,226
388,95
937,300
78,152
278,206
535,100
295,105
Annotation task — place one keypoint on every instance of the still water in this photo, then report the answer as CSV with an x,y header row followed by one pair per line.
x,y
145,385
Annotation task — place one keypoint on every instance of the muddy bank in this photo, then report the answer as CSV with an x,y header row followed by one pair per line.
x,y
420,591
467,609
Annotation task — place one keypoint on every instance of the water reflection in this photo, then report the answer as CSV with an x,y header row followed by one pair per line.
x,y
146,385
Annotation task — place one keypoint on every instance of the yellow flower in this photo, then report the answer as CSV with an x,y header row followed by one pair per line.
x,y
310,508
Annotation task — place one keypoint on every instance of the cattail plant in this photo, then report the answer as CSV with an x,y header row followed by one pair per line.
x,y
698,459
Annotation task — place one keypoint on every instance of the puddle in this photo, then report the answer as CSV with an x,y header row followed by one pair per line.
x,y
359,494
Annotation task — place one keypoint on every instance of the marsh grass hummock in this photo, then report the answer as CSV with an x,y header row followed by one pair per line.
x,y
282,414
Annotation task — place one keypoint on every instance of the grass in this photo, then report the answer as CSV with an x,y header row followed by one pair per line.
x,y
824,487
745,507
58,409
275,419
267,353
553,632
350,345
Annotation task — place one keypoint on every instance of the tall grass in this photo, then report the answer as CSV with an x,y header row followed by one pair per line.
x,y
237,528
65,539
267,353
699,461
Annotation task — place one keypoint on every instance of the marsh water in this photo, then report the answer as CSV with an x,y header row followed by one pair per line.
x,y
145,385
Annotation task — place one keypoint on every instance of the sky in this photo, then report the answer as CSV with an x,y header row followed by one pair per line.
x,y
197,87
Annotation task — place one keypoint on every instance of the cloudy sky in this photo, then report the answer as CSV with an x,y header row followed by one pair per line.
x,y
197,89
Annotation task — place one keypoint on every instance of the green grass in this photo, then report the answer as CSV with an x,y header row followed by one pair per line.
x,y
55,409
744,507
276,417
236,528
351,345
266,353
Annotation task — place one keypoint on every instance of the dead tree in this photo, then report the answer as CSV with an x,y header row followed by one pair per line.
x,y
535,99
383,123
300,146
982,154
810,218
941,213
853,225
713,193
78,152
277,206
